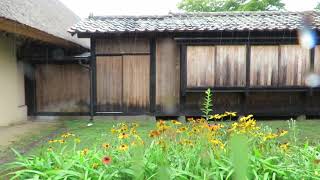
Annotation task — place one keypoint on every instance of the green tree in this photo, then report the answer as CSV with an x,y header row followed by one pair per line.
x,y
317,7
230,5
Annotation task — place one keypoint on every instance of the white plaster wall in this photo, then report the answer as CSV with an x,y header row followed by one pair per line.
x,y
12,98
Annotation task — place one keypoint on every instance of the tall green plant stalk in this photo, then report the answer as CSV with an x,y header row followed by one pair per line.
x,y
207,104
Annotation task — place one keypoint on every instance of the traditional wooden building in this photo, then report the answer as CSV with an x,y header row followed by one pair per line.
x,y
33,35
161,65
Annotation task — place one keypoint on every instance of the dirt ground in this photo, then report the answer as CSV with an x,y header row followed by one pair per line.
x,y
24,137
11,134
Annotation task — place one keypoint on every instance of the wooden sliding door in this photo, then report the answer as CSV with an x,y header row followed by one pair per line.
x,y
123,83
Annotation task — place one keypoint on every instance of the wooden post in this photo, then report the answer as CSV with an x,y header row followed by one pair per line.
x,y
93,80
183,77
153,79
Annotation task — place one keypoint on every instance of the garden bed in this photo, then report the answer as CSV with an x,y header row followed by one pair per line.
x,y
174,150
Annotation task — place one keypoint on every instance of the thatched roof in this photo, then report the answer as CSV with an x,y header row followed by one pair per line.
x,y
49,16
198,22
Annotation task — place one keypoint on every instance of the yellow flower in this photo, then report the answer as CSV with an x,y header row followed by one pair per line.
x,y
85,151
50,149
163,128
201,120
66,135
133,131
175,122
191,120
162,144
154,133
114,131
77,140
182,129
270,136
216,116
61,141
161,123
106,146
123,136
135,125
123,147
284,146
216,142
95,165
232,114
282,132
215,127
195,130
53,141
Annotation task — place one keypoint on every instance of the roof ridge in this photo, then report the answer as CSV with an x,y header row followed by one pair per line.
x,y
221,13
242,12
128,16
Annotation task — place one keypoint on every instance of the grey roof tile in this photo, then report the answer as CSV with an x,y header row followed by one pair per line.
x,y
189,22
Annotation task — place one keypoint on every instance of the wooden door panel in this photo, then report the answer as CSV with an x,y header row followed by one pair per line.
x,y
109,83
136,80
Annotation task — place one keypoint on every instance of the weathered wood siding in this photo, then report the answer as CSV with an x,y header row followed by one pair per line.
x,y
62,88
122,45
109,83
230,66
167,76
317,60
264,66
136,80
123,78
216,66
294,65
200,66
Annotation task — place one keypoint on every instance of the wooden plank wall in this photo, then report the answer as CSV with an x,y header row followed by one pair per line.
x,y
225,66
230,64
294,65
136,80
122,45
167,76
62,88
123,75
218,66
264,66
200,66
317,60
109,83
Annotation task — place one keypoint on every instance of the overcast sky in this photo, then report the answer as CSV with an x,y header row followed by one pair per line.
x,y
146,7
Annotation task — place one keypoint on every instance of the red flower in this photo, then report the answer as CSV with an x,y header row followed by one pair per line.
x,y
106,160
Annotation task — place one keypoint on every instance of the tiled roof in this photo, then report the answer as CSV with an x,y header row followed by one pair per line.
x,y
49,16
197,22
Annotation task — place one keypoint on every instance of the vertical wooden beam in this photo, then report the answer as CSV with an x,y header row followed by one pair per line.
x,y
312,56
308,95
183,77
93,79
30,89
153,71
248,62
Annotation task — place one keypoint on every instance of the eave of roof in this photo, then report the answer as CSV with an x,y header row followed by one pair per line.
x,y
49,18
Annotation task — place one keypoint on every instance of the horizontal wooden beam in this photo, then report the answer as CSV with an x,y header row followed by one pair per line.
x,y
251,89
123,54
